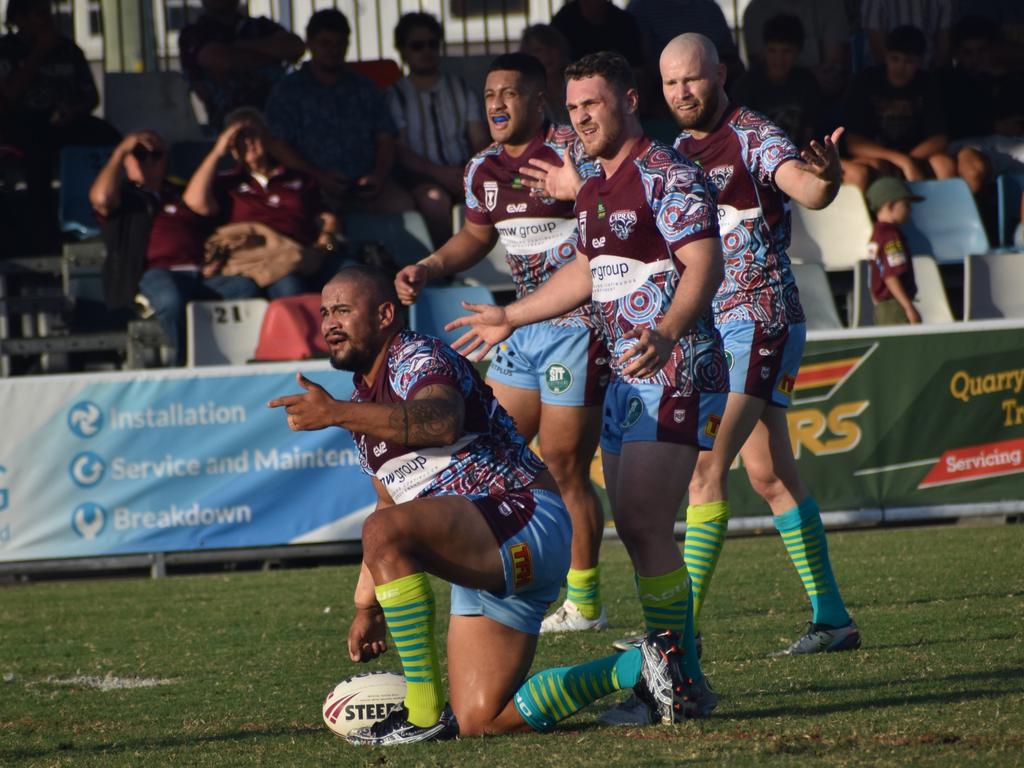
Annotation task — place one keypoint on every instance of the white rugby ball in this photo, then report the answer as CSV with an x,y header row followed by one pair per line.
x,y
363,700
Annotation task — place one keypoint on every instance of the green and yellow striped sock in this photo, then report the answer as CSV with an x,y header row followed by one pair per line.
x,y
584,590
554,694
666,602
408,605
706,525
804,536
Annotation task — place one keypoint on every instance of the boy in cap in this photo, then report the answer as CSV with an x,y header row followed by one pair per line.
x,y
892,271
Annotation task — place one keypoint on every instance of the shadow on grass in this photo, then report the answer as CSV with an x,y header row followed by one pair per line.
x,y
185,740
948,694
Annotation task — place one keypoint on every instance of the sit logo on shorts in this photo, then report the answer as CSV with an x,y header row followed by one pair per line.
x,y
558,378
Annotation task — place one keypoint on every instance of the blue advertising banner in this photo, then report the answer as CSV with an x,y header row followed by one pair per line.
x,y
119,463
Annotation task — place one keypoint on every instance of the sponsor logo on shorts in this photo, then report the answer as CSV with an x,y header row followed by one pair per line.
x,y
634,410
522,564
679,415
729,359
785,385
765,372
711,428
559,378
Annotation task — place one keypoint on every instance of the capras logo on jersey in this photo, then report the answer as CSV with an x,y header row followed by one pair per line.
x,y
622,223
515,208
490,194
721,176
598,242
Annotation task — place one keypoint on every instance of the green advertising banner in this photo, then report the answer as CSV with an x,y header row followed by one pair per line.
x,y
923,417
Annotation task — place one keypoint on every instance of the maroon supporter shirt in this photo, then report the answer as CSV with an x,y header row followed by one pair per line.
x,y
288,203
889,258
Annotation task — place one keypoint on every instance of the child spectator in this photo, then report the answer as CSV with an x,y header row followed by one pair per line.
x,y
439,120
892,270
785,93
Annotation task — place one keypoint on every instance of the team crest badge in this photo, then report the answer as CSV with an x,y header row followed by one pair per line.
x,y
622,223
583,226
490,195
679,415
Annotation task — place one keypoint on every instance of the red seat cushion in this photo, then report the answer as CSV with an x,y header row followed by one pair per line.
x,y
291,329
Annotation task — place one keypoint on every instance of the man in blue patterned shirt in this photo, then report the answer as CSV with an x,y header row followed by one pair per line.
x,y
338,122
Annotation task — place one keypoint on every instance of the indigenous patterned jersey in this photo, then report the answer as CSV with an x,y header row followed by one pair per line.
x,y
629,228
539,233
490,457
740,157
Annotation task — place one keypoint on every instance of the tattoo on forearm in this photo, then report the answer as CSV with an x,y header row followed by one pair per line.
x,y
424,421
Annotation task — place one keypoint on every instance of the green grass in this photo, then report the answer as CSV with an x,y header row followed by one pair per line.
x,y
250,657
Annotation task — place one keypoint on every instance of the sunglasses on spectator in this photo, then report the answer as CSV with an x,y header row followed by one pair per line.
x,y
143,153
420,45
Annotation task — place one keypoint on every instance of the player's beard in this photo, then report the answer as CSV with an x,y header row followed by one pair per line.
x,y
700,119
355,359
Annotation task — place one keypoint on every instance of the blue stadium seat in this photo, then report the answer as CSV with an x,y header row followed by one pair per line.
x,y
404,235
437,306
1010,187
946,223
79,167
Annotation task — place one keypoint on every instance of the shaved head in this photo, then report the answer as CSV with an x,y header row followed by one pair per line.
x,y
376,284
359,314
693,82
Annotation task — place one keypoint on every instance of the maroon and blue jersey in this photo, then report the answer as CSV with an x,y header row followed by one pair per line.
x,y
630,227
740,157
489,459
538,233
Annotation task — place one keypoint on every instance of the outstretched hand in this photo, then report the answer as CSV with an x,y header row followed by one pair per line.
x,y
313,409
822,159
488,325
545,179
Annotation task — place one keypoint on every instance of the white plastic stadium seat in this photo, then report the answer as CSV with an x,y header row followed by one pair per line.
x,y
223,332
993,285
816,297
836,236
931,301
493,272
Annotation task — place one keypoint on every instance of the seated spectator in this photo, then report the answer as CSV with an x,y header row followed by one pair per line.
x,y
826,48
551,49
590,26
893,288
339,122
440,124
47,95
232,60
933,17
271,222
895,117
154,240
779,89
986,121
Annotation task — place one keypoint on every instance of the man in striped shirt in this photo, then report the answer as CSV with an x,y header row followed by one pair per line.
x,y
439,124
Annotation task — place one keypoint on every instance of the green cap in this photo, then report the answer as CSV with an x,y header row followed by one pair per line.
x,y
889,189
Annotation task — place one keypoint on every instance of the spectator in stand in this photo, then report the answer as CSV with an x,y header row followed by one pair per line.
x,y
232,60
154,240
339,122
895,117
777,87
933,17
47,95
893,288
590,26
986,123
551,49
826,47
663,20
439,120
272,223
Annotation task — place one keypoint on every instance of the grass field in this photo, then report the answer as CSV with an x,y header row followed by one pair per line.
x,y
238,664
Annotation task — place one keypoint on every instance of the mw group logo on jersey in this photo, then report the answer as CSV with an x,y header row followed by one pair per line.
x,y
85,419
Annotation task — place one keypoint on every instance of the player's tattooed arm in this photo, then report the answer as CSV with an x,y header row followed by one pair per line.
x,y
434,417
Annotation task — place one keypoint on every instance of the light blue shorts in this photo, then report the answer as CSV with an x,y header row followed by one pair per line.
x,y
763,360
570,366
535,560
653,413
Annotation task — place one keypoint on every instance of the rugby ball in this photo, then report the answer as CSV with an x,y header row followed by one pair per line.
x,y
363,700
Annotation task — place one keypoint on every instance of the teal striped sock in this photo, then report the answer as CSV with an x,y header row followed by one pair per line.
x,y
804,536
554,694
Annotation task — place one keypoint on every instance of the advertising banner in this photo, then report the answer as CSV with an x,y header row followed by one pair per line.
x,y
119,463
893,418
